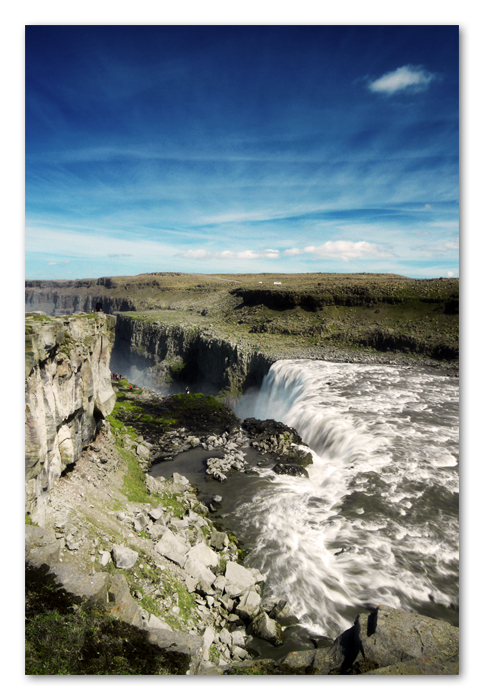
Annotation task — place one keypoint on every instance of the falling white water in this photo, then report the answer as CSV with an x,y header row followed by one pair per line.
x,y
377,520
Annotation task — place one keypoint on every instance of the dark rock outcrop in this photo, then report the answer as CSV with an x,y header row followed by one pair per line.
x,y
270,436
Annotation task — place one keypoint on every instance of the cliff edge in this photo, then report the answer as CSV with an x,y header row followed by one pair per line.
x,y
68,393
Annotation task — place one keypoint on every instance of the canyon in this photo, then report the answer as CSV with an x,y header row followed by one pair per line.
x,y
90,437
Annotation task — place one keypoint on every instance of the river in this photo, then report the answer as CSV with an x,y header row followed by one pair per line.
x,y
377,521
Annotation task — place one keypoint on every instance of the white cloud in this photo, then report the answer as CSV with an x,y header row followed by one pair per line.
x,y
410,78
196,254
342,250
450,274
269,254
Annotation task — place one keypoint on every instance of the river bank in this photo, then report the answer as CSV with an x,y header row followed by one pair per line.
x,y
109,506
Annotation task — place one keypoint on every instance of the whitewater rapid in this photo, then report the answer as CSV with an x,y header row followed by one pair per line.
x,y
377,520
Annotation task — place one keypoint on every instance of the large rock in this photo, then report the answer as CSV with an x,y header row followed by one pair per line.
x,y
264,627
41,546
388,638
173,547
90,590
185,650
238,578
249,606
208,637
123,557
219,540
298,663
200,573
120,604
203,555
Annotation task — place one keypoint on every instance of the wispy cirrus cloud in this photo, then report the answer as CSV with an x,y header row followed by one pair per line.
x,y
409,78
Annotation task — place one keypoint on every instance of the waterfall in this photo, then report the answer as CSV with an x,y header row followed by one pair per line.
x,y
377,520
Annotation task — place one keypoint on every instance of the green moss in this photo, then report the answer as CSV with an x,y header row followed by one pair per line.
x,y
135,480
186,602
171,502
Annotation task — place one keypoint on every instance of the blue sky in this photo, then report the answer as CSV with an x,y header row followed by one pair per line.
x,y
241,149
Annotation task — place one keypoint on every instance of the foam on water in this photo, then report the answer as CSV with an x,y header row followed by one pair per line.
x,y
377,520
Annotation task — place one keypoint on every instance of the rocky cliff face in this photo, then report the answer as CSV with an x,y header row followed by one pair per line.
x,y
169,352
67,394
66,297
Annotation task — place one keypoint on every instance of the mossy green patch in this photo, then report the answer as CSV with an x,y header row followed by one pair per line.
x,y
135,480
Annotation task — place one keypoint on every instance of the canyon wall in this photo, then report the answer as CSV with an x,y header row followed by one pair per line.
x,y
73,296
169,352
67,395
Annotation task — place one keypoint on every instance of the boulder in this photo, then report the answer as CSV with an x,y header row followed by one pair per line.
x,y
238,637
123,557
173,547
263,627
180,483
154,485
283,613
143,452
388,638
219,583
199,572
156,530
156,513
218,540
208,637
184,650
120,604
297,663
91,590
104,558
155,623
225,637
204,555
249,606
238,579
290,470
41,546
